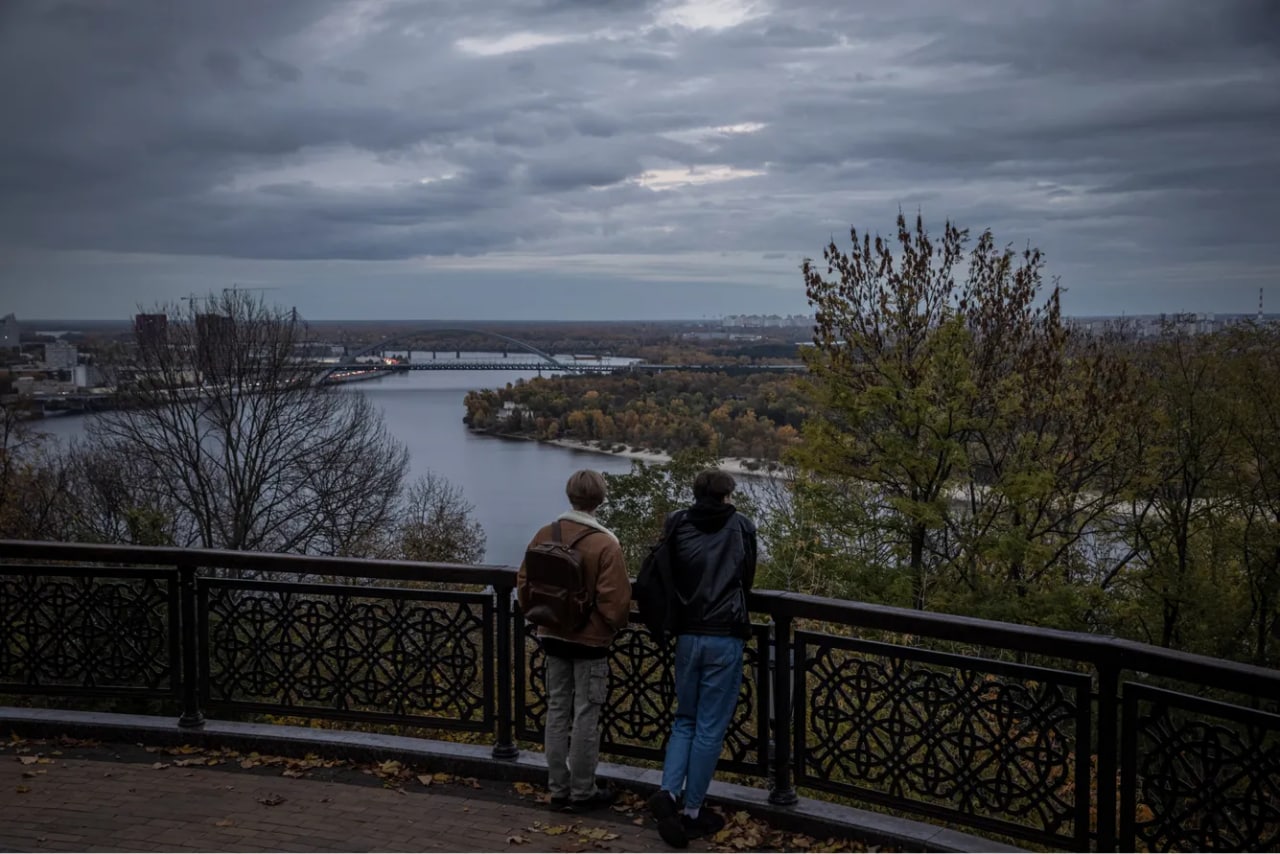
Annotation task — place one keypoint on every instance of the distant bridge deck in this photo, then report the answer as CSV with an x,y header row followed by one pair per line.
x,y
539,366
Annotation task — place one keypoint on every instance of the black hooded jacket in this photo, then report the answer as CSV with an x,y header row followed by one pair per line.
x,y
714,564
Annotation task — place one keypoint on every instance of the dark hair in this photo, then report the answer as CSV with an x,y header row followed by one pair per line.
x,y
586,489
713,483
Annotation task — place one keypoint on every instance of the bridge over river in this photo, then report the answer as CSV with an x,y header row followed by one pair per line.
x,y
526,357
332,370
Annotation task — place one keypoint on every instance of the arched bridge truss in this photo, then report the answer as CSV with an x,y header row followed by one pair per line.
x,y
542,358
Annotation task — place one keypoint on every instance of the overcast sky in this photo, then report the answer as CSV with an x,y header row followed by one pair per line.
x,y
625,159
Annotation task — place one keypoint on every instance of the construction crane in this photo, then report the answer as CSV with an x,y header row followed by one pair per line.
x,y
236,289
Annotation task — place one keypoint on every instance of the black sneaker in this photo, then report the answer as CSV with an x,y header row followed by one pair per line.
x,y
559,802
670,827
604,796
707,823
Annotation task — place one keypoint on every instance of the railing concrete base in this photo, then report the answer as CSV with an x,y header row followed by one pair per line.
x,y
812,817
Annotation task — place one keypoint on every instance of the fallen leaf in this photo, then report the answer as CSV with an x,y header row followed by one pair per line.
x,y
43,761
160,766
22,790
516,840
556,830
290,772
271,800
525,788
425,779
223,822
27,760
443,778
183,763
638,822
249,763
28,775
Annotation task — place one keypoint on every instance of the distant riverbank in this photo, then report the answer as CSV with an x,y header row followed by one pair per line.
x,y
732,465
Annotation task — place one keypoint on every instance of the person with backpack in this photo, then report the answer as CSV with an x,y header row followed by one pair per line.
x,y
573,585
712,567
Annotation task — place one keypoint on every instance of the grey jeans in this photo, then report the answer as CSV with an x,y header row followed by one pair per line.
x,y
576,689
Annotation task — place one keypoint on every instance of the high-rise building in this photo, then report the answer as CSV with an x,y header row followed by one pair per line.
x,y
10,333
61,356
215,343
151,330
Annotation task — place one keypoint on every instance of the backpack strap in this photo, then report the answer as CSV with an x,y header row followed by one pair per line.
x,y
581,536
555,533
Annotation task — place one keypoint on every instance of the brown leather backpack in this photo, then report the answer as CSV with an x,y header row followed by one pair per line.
x,y
558,594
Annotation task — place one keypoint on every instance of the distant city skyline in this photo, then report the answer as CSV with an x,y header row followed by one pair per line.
x,y
598,160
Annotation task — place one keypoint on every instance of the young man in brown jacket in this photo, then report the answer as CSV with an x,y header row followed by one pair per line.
x,y
577,663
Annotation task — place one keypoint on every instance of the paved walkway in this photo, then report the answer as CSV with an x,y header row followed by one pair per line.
x,y
81,796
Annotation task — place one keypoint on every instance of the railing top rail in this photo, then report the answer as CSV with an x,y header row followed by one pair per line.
x,y
260,561
1099,650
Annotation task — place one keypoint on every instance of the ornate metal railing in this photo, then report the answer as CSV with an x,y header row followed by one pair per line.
x,y
1063,739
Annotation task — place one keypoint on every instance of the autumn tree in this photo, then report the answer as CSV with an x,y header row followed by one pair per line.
x,y
232,438
1255,377
32,479
946,381
438,525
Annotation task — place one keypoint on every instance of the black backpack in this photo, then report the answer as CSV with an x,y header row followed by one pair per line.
x,y
557,595
654,588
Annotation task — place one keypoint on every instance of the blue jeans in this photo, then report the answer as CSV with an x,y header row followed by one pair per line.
x,y
708,676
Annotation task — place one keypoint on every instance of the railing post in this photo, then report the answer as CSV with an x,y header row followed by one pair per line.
x,y
192,716
1108,710
505,747
782,793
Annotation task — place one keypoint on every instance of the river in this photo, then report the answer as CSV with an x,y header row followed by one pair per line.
x,y
515,486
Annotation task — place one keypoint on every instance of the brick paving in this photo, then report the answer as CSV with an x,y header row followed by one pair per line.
x,y
55,800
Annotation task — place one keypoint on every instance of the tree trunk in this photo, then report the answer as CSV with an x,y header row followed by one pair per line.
x,y
917,565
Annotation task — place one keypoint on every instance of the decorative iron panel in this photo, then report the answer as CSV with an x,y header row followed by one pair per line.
x,y
420,657
88,631
985,743
636,719
1197,774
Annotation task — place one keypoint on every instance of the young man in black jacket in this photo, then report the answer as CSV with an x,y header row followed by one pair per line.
x,y
714,565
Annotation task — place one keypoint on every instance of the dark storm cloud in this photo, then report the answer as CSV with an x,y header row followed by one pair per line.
x,y
1126,139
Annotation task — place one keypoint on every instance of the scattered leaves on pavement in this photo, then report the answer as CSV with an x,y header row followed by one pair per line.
x,y
742,832
271,800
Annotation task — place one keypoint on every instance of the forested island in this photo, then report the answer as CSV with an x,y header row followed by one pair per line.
x,y
756,416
